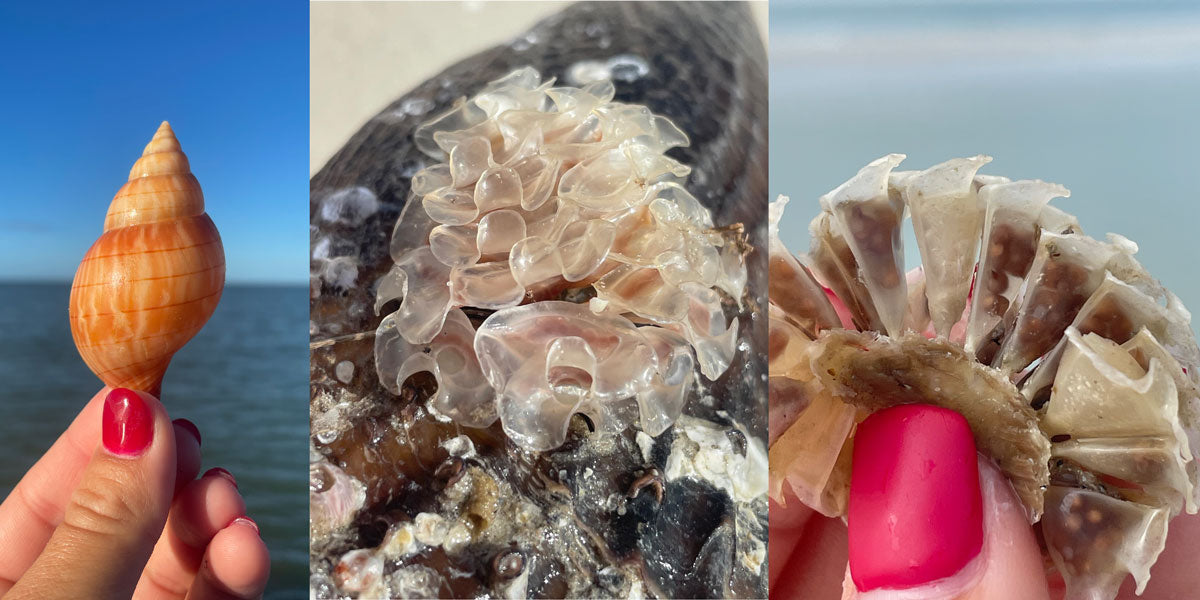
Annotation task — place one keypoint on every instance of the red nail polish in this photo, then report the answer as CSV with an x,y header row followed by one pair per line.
x,y
190,426
915,513
128,423
219,472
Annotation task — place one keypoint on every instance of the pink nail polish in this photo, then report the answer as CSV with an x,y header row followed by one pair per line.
x,y
219,472
246,521
915,513
127,423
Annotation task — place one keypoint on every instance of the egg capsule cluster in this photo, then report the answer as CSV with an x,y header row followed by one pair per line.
x,y
542,193
1076,369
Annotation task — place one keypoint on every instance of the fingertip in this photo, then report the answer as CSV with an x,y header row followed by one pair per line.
x,y
237,561
128,423
190,427
1013,566
149,398
914,465
204,507
220,472
809,556
244,521
786,532
188,453
100,395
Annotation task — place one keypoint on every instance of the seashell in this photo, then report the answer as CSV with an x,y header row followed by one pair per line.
x,y
333,497
1077,370
153,278
542,190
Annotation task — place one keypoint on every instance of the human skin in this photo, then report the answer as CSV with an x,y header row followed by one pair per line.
x,y
88,522
808,558
807,552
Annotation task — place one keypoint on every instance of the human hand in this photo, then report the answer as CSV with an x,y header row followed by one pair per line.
x,y
114,510
808,552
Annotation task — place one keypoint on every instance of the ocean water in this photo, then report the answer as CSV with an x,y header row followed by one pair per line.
x,y
1099,96
243,380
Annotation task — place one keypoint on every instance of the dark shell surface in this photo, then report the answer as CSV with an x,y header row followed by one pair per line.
x,y
607,517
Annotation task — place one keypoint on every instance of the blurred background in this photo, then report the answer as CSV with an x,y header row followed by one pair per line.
x,y
85,88
1100,96
360,64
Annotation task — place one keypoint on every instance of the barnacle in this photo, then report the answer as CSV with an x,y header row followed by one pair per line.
x,y
540,194
1076,369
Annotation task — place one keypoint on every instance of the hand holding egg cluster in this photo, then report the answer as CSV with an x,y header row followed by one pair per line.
x,y
1076,369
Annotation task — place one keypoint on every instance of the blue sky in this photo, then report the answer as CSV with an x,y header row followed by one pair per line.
x,y
85,85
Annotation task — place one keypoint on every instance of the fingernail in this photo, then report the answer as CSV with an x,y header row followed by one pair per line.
x,y
190,426
246,521
219,472
128,423
915,514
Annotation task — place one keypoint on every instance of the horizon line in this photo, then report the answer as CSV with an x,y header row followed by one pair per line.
x,y
248,283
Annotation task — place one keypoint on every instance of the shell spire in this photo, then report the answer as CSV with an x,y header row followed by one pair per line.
x,y
154,277
161,186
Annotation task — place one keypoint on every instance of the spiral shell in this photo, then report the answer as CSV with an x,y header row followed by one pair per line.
x,y
153,278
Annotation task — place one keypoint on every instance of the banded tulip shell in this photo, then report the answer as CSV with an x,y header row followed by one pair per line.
x,y
153,278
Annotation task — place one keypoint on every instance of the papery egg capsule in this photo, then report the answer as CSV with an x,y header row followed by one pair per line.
x,y
153,278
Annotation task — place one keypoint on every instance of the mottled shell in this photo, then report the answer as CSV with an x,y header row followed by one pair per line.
x,y
153,278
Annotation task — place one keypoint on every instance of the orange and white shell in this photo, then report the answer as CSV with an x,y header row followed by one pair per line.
x,y
153,278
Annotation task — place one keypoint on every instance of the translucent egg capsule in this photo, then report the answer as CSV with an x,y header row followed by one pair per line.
x,y
538,193
1076,368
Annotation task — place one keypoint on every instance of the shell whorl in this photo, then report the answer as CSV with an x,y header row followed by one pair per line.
x,y
153,278
160,187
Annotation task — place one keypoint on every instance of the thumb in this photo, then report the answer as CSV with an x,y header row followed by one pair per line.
x,y
118,510
1011,561
927,518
